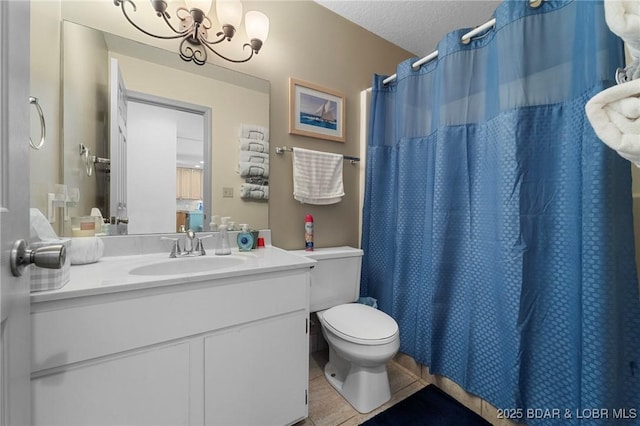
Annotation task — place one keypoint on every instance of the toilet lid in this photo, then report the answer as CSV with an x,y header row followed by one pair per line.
x,y
361,323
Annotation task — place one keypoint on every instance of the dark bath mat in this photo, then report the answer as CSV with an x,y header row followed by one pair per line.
x,y
428,407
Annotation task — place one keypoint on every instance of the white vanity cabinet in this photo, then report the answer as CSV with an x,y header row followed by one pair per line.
x,y
218,352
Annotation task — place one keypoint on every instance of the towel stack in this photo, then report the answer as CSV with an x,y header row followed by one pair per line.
x,y
615,117
623,19
614,113
253,162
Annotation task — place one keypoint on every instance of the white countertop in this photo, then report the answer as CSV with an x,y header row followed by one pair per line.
x,y
111,274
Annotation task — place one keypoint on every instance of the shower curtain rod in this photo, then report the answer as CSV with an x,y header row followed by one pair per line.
x,y
464,39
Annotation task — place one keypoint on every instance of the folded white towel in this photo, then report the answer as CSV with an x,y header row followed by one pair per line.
x,y
254,145
85,250
623,18
253,157
255,192
317,177
253,169
253,131
614,114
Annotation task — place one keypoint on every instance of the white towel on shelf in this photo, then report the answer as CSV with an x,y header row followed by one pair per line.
x,y
253,131
614,114
623,18
317,177
254,145
253,157
255,192
253,169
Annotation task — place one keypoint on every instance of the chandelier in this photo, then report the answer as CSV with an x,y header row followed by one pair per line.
x,y
194,27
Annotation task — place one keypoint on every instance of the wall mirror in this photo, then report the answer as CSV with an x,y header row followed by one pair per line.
x,y
178,157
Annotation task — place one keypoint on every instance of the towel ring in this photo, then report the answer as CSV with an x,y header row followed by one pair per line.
x,y
43,127
621,76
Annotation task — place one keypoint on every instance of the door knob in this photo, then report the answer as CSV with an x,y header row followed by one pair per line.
x,y
51,257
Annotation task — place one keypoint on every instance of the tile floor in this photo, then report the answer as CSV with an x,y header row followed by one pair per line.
x,y
328,408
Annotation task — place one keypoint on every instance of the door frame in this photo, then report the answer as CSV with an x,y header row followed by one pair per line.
x,y
205,112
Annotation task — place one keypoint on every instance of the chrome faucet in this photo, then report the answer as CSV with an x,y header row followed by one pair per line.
x,y
192,245
188,241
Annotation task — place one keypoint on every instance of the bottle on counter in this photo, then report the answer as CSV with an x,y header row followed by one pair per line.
x,y
245,238
308,233
223,247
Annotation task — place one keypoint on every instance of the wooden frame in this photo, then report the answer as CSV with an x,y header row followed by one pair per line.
x,y
316,111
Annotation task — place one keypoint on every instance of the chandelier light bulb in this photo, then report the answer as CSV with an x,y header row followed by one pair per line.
x,y
229,12
257,25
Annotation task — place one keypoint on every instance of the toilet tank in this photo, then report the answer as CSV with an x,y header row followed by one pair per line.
x,y
336,277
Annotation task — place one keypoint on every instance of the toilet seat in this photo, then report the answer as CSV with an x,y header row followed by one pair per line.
x,y
361,324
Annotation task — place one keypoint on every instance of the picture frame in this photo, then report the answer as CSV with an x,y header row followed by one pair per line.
x,y
316,111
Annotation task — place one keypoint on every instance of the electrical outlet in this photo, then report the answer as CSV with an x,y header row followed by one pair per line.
x,y
227,192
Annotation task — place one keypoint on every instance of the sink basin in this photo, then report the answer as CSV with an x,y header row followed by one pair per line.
x,y
186,265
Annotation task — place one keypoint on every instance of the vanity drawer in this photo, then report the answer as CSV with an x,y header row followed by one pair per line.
x,y
67,332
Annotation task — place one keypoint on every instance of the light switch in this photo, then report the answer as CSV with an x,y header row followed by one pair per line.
x,y
227,192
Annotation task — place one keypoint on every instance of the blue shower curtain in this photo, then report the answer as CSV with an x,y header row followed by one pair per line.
x,y
497,227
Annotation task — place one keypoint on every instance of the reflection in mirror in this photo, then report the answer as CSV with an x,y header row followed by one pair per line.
x,y
169,132
165,134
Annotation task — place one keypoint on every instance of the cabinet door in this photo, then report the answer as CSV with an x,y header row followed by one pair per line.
x,y
178,183
188,184
257,374
147,387
185,183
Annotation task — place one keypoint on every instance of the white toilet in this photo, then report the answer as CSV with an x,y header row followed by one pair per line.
x,y
361,339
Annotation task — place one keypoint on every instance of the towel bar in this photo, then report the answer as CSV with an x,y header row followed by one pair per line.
x,y
281,150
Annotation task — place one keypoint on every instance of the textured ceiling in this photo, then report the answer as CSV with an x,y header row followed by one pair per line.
x,y
416,25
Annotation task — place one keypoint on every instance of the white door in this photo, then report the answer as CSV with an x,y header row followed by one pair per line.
x,y
152,133
118,142
15,333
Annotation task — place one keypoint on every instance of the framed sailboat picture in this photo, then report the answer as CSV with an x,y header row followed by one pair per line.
x,y
316,111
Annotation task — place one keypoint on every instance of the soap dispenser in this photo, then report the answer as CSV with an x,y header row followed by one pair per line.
x,y
245,238
223,247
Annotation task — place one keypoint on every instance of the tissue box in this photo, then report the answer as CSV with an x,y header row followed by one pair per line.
x,y
50,279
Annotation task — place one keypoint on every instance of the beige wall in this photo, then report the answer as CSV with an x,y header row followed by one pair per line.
x,y
86,102
306,41
45,85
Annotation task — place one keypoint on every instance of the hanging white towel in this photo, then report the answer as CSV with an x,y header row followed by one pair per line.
x,y
623,19
614,114
253,131
317,177
254,145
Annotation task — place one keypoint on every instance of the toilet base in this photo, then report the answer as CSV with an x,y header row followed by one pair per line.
x,y
365,388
